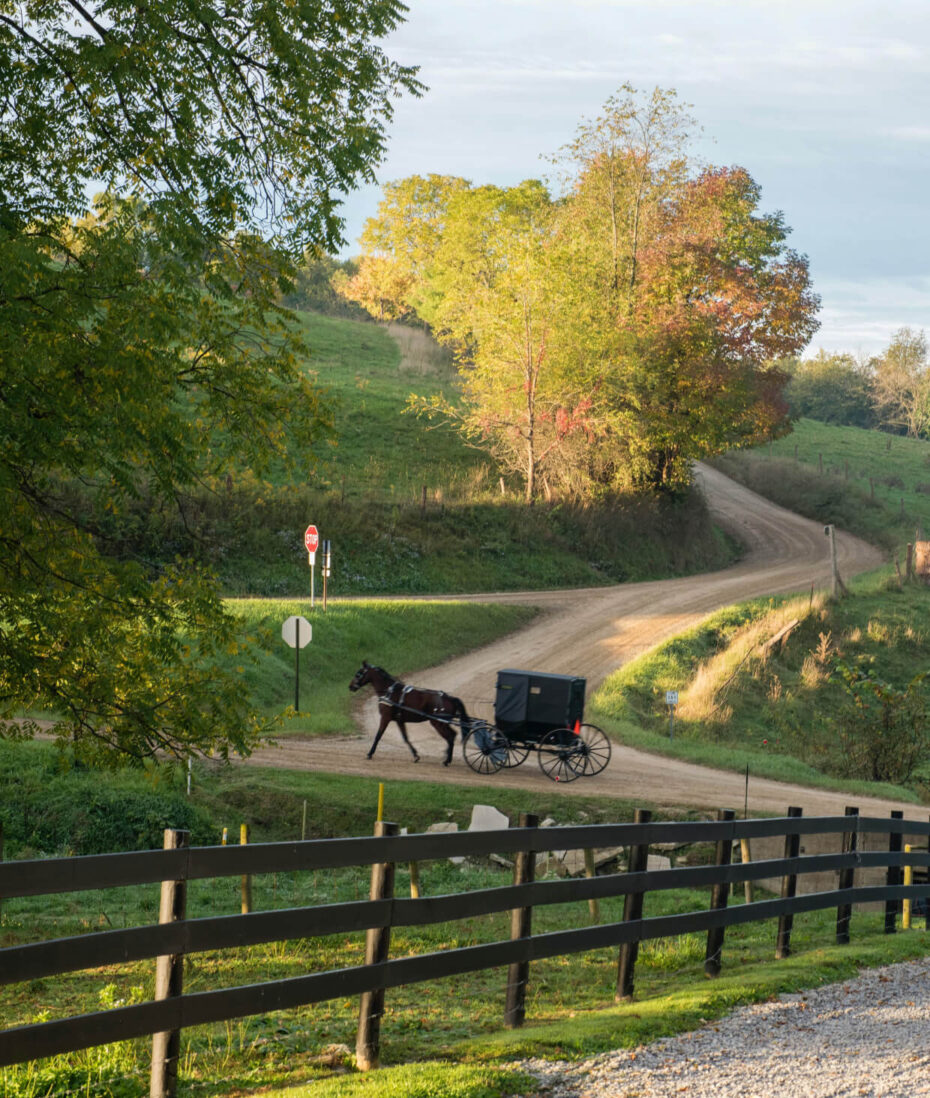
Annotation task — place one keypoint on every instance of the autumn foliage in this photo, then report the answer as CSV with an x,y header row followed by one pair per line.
x,y
613,333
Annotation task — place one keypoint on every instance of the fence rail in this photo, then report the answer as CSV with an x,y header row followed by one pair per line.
x,y
177,936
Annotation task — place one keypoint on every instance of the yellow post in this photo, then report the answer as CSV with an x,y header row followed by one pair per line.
x,y
906,907
380,801
246,888
225,835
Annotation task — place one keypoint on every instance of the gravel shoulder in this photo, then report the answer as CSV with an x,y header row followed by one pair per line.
x,y
862,1037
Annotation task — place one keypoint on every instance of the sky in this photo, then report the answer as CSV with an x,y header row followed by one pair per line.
x,y
825,103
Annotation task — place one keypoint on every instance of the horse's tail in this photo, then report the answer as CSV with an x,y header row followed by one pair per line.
x,y
461,713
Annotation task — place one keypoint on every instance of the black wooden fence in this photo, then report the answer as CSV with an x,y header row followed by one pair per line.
x,y
176,936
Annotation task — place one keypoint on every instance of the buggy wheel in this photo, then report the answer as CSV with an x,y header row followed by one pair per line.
x,y
595,749
484,748
516,752
560,756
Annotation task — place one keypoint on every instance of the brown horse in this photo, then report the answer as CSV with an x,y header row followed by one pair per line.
x,y
402,704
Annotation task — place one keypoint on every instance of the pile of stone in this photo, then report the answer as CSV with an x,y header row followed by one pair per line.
x,y
555,862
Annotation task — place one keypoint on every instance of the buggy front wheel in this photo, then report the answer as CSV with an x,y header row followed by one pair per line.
x,y
560,756
595,749
484,748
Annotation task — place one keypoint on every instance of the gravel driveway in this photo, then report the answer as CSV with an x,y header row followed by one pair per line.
x,y
869,1036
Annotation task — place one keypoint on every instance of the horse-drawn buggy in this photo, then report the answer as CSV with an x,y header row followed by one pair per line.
x,y
533,711
536,711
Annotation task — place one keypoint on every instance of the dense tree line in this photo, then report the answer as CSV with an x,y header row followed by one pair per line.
x,y
890,390
612,332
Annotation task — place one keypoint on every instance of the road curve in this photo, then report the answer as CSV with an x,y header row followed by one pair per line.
x,y
592,632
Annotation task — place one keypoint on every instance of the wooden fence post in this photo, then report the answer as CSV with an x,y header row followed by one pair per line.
x,y
590,870
377,946
521,926
718,900
789,887
246,877
632,911
169,979
847,877
893,876
908,880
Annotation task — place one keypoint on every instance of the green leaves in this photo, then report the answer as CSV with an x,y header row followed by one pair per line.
x,y
142,350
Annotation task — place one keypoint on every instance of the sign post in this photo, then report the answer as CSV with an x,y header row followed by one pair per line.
x,y
671,700
311,541
327,559
297,633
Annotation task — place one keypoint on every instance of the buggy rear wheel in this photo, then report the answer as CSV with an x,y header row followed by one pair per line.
x,y
595,749
484,748
560,756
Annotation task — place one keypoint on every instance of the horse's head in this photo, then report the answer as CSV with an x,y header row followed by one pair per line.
x,y
362,677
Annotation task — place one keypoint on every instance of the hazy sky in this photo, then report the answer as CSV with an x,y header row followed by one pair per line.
x,y
825,103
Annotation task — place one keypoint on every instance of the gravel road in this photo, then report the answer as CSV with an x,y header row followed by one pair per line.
x,y
866,1036
593,631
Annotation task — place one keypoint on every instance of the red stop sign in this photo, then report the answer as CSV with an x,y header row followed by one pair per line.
x,y
311,539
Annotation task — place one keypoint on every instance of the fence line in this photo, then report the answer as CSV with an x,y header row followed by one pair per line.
x,y
176,936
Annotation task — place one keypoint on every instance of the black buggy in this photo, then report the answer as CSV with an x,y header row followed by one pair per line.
x,y
536,711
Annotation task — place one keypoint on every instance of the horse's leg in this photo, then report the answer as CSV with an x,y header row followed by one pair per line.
x,y
403,732
448,734
385,721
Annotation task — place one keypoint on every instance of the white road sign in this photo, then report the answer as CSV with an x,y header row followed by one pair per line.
x,y
297,632
671,697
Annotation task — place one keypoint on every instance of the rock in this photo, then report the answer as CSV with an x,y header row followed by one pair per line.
x,y
548,822
446,827
486,818
658,861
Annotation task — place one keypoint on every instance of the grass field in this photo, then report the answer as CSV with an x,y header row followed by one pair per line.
x,y
402,636
873,484
437,1039
408,507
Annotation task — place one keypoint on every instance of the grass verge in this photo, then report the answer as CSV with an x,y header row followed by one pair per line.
x,y
784,709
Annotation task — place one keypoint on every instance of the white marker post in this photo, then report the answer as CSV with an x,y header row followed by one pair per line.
x,y
671,700
297,633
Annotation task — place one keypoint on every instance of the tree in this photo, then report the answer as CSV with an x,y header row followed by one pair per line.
x,y
902,384
493,293
833,388
696,292
141,347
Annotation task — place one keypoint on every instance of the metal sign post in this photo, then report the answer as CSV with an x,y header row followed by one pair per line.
x,y
671,700
327,559
297,632
311,541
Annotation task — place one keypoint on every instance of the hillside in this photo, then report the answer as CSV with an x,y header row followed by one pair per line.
x,y
873,484
410,508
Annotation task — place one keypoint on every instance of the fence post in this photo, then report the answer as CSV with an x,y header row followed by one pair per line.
x,y
718,899
521,926
789,886
377,946
169,979
632,911
847,877
590,870
893,876
246,877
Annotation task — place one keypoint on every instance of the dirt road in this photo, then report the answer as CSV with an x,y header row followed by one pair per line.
x,y
592,632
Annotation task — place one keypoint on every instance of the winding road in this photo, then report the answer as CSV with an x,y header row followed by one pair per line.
x,y
592,632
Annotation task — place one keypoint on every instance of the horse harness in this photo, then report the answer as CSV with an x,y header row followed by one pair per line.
x,y
397,702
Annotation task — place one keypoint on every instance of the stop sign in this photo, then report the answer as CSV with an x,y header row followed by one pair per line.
x,y
311,539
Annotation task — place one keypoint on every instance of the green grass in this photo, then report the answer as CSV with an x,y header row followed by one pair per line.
x,y
366,495
873,484
787,716
401,635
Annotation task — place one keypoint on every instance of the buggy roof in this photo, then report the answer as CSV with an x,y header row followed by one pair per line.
x,y
540,675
